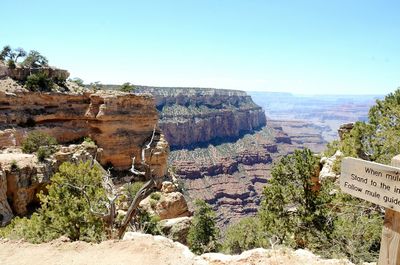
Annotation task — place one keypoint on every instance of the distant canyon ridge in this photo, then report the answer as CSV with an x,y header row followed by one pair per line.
x,y
223,144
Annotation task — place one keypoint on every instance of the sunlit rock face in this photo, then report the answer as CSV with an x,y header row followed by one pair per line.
x,y
195,116
120,123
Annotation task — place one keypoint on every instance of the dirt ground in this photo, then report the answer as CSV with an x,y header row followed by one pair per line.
x,y
144,250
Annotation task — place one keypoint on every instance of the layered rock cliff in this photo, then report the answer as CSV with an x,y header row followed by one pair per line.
x,y
193,116
120,123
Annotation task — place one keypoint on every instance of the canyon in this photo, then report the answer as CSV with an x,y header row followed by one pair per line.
x,y
223,146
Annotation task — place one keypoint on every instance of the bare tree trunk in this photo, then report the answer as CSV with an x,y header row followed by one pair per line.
x,y
145,191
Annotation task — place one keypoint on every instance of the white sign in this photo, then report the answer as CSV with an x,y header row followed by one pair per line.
x,y
376,183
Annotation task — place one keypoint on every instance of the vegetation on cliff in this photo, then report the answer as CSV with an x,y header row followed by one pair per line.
x,y
203,234
40,143
65,209
373,140
33,71
299,213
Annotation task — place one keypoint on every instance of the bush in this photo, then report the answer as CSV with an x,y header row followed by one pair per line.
x,y
11,64
299,214
65,210
246,234
375,140
35,60
37,139
292,210
126,87
203,232
147,223
155,196
39,82
132,189
77,81
89,141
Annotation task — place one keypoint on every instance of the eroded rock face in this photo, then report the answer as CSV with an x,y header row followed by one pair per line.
x,y
22,176
194,116
176,229
120,123
344,129
169,205
20,179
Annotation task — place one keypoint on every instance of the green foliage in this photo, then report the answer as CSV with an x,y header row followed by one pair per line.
x,y
246,234
43,152
155,196
39,82
5,53
37,139
296,213
35,60
203,233
374,140
357,229
65,210
11,64
292,211
147,223
89,141
132,189
127,87
77,81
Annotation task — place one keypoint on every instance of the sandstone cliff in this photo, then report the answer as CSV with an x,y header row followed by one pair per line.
x,y
194,116
120,123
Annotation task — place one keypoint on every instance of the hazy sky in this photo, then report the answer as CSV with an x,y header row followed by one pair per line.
x,y
323,47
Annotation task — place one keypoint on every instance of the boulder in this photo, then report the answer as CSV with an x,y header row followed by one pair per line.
x,y
176,229
169,205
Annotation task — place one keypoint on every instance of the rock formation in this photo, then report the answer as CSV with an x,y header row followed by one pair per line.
x,y
344,129
120,123
195,116
22,176
167,206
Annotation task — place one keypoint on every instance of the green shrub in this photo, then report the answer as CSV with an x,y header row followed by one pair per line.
x,y
326,221
14,165
203,232
155,196
11,64
39,82
292,211
89,140
147,223
126,87
65,210
153,203
132,189
375,140
43,152
246,234
37,139
77,81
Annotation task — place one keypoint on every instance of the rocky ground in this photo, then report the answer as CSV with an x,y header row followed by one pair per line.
x,y
145,250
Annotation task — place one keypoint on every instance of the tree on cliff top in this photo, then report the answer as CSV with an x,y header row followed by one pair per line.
x,y
292,210
376,140
35,60
203,233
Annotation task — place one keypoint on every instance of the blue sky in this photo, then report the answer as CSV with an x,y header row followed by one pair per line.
x,y
307,47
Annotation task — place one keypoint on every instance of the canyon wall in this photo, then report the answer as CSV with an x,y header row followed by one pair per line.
x,y
120,123
190,117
